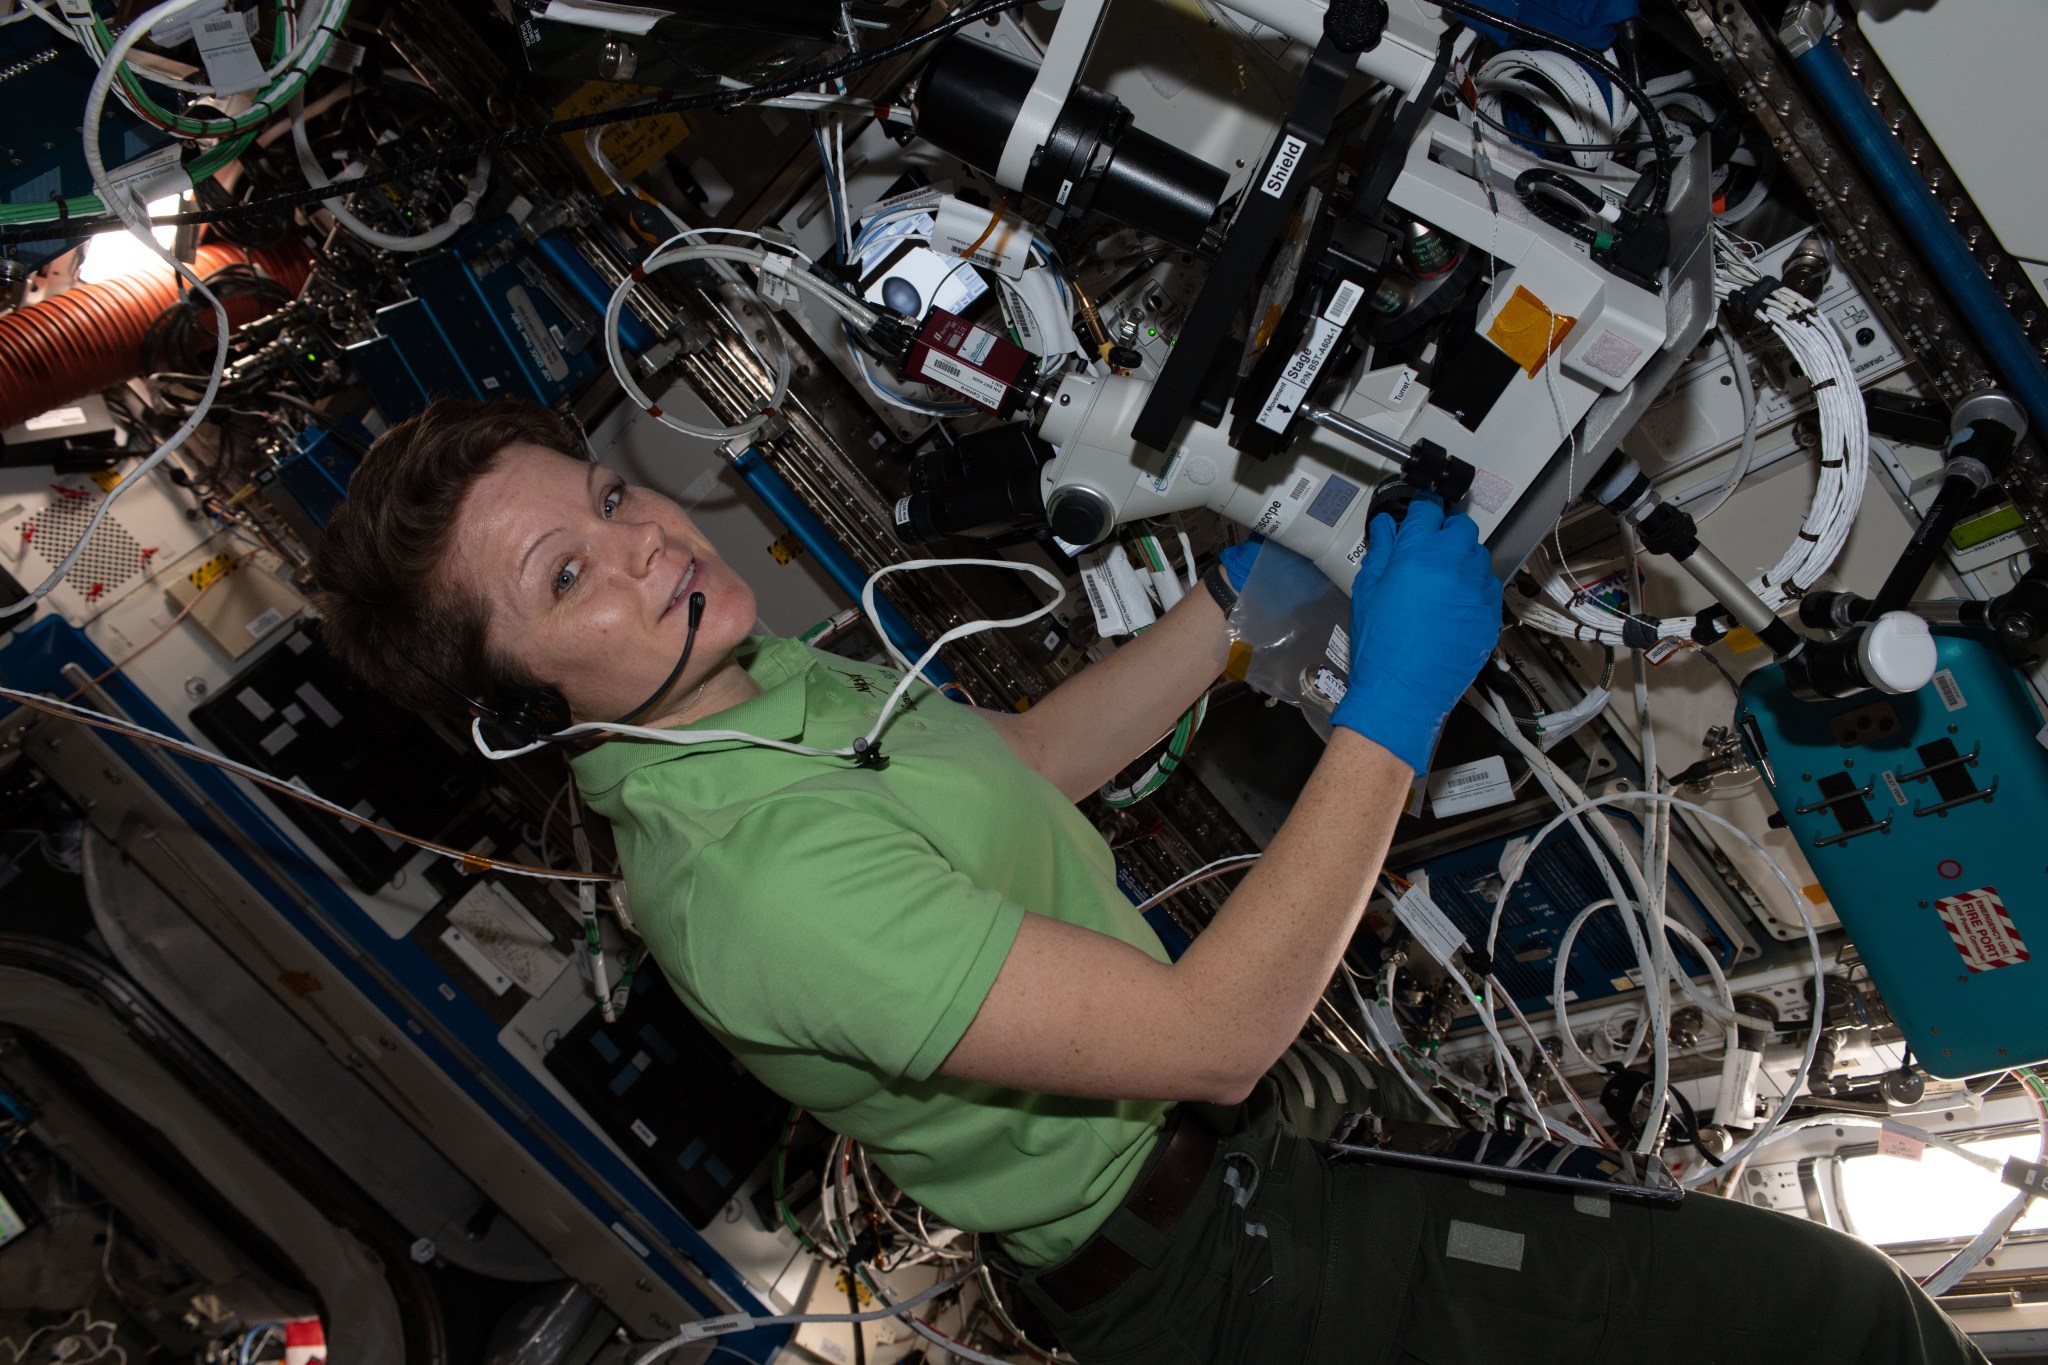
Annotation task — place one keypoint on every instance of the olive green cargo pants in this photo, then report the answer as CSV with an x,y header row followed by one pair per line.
x,y
1288,1255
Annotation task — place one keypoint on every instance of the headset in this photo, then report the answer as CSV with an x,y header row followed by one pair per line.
x,y
538,715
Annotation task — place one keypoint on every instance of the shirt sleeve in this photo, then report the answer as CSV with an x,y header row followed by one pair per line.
x,y
823,927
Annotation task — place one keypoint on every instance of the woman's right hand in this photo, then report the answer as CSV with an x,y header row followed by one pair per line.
x,y
1425,613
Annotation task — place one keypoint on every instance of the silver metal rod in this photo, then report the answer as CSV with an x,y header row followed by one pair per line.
x,y
1344,426
1729,589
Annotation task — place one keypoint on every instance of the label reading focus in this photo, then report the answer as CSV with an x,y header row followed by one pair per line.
x,y
1982,929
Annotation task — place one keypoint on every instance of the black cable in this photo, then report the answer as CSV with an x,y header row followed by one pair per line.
x,y
1542,189
1660,140
514,137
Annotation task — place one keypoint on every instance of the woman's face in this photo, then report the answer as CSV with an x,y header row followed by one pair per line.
x,y
587,582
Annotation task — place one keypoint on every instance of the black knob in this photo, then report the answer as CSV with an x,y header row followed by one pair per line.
x,y
1355,26
1079,515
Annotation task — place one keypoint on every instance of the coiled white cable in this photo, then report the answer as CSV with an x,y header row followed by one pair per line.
x,y
912,674
132,214
458,218
784,262
1562,607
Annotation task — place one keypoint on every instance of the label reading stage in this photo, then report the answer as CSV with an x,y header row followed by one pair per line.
x,y
1982,929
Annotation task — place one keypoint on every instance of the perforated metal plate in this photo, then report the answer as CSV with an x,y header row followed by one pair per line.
x,y
110,559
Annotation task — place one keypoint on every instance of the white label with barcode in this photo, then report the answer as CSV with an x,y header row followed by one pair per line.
x,y
1282,508
1344,302
943,369
1950,692
232,66
1470,786
1431,930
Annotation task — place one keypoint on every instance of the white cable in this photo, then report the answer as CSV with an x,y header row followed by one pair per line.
x,y
1189,879
1566,94
304,36
1656,999
137,222
912,674
458,218
1370,1014
1799,903
746,1322
766,258
1951,1272
777,355
839,171
70,710
1561,608
1745,385
1568,796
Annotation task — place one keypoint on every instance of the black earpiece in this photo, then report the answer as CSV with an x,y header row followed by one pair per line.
x,y
530,715
689,643
527,715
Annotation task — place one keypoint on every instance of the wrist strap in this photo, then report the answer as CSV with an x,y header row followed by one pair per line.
x,y
1218,584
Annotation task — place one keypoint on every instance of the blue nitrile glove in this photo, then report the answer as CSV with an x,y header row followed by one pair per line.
x,y
1237,560
1425,612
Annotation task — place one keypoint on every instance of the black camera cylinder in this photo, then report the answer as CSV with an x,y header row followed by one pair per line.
x,y
1092,160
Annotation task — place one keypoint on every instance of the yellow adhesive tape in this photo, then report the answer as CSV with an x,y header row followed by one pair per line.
x,y
1528,331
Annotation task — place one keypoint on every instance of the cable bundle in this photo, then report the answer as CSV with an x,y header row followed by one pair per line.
x,y
1563,606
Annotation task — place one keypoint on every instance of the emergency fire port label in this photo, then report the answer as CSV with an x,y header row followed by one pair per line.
x,y
1982,929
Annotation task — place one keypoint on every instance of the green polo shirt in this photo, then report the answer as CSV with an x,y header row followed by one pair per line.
x,y
838,927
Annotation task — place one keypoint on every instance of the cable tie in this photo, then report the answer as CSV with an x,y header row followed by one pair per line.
x,y
654,409
2026,1175
63,205
1826,383
1833,464
1748,301
1809,536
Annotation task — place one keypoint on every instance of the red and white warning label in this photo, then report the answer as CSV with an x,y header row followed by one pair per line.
x,y
1982,929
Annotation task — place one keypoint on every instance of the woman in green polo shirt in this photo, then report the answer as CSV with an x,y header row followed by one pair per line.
x,y
933,955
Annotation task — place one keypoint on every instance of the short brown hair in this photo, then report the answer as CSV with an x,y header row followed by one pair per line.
x,y
389,613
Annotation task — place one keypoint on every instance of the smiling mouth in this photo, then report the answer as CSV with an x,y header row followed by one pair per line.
x,y
682,588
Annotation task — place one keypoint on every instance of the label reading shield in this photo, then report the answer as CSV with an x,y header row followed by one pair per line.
x,y
1285,161
1982,929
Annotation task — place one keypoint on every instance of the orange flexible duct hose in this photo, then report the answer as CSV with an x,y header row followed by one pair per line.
x,y
89,337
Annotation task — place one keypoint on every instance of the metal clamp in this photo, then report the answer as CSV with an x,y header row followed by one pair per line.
x,y
1944,807
1827,801
1807,27
1965,760
1823,840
